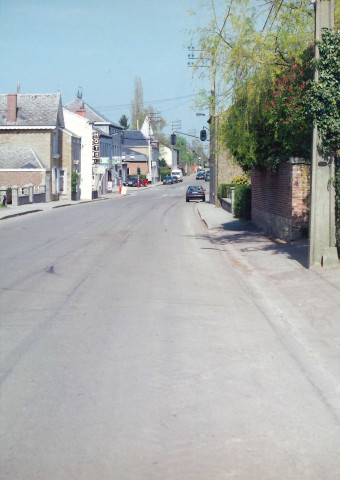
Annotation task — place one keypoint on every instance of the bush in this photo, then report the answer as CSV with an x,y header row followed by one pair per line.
x,y
242,201
74,182
224,190
141,177
240,180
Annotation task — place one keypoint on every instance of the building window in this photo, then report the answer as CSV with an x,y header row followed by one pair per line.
x,y
62,181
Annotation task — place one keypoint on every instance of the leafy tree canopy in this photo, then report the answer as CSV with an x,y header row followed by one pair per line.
x,y
123,121
261,60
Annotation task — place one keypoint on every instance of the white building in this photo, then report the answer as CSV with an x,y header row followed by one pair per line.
x,y
81,126
170,155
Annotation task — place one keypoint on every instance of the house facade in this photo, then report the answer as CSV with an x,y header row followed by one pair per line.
x,y
31,129
22,166
140,149
169,155
83,129
106,149
71,155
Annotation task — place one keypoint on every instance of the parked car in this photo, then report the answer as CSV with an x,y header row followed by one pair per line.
x,y
133,182
178,173
144,181
207,176
168,180
195,192
200,175
174,179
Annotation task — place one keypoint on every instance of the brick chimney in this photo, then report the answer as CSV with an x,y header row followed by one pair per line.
x,y
81,111
12,107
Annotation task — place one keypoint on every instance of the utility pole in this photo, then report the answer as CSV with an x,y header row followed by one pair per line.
x,y
213,159
322,250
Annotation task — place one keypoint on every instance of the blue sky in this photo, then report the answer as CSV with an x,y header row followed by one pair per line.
x,y
101,46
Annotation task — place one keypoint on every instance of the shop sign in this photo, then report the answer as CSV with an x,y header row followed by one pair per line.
x,y
95,147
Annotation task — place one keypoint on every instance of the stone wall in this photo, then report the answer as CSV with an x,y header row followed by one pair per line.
x,y
227,168
39,140
280,200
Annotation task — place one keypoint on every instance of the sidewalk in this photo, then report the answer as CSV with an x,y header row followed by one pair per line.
x,y
277,277
11,211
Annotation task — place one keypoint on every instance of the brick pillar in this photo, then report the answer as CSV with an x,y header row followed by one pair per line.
x,y
48,187
12,107
3,196
29,186
15,195
232,198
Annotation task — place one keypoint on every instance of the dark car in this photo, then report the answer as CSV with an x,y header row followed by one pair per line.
x,y
207,176
195,192
133,182
168,180
174,179
200,175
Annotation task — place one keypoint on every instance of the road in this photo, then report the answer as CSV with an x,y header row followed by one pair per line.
x,y
132,349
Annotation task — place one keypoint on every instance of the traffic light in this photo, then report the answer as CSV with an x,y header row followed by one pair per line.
x,y
138,171
173,139
203,135
120,172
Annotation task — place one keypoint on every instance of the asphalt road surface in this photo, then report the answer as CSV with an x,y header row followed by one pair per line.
x,y
131,350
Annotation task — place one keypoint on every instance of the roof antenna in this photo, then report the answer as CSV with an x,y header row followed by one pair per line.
x,y
80,92
18,87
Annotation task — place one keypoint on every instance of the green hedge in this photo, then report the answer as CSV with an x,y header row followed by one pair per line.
x,y
164,171
242,198
142,177
224,190
242,201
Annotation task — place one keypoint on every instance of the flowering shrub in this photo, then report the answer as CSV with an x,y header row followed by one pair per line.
x,y
240,180
287,110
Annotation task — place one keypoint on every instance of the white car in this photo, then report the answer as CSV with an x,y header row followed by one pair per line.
x,y
176,172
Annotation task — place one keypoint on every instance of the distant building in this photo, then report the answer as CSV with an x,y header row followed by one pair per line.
x,y
140,149
106,148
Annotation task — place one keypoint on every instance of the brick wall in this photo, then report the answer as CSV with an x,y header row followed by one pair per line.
x,y
21,178
280,200
133,168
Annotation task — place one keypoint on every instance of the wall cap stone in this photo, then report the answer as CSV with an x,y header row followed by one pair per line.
x,y
298,160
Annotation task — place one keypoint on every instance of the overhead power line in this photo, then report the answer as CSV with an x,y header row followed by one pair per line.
x,y
125,105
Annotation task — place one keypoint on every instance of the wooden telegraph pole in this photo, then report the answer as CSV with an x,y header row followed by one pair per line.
x,y
212,138
322,250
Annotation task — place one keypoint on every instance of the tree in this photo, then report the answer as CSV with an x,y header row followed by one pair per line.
x,y
123,121
249,49
157,122
186,154
138,112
